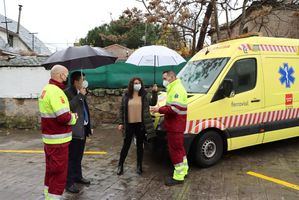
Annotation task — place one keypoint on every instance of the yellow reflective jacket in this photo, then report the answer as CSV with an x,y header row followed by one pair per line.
x,y
56,118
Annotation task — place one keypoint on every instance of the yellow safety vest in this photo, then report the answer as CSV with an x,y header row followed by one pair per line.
x,y
177,95
53,103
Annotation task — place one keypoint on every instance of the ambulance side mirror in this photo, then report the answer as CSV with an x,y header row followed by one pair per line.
x,y
228,88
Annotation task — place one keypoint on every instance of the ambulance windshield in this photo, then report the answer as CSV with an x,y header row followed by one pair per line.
x,y
198,76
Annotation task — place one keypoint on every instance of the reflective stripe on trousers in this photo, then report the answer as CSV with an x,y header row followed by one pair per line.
x,y
57,138
53,197
46,189
181,170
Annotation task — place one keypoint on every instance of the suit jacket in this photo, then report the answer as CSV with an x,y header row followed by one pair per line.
x,y
76,105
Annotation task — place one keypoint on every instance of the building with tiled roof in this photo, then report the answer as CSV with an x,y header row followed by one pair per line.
x,y
121,52
270,18
19,42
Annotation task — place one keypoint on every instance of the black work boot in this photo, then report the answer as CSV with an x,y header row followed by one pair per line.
x,y
170,182
73,189
83,181
120,170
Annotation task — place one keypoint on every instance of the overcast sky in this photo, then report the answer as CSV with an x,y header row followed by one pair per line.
x,y
59,22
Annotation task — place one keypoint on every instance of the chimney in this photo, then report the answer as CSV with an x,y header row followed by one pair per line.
x,y
20,10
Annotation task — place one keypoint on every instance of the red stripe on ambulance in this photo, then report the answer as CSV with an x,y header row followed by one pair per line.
x,y
196,126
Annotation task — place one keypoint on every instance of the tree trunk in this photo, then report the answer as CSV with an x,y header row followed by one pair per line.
x,y
242,23
216,19
204,27
227,24
184,37
193,43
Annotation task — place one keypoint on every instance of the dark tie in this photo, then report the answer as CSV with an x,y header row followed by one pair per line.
x,y
85,114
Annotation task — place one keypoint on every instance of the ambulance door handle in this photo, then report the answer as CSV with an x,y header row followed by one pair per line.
x,y
255,100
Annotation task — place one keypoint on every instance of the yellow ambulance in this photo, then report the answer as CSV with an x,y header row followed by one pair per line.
x,y
241,92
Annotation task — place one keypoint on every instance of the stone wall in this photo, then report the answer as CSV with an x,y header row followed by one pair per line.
x,y
23,113
279,23
19,113
104,106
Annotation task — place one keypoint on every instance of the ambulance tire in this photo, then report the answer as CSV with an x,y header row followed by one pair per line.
x,y
209,149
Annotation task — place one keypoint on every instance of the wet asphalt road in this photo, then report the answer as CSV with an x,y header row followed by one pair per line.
x,y
22,174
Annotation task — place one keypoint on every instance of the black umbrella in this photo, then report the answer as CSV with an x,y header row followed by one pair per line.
x,y
84,57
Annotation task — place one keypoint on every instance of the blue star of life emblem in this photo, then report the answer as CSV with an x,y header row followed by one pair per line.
x,y
286,73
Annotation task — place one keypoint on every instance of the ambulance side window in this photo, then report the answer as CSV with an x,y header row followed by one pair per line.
x,y
244,74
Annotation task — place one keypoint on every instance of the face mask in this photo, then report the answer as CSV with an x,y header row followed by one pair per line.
x,y
66,81
85,84
165,83
137,87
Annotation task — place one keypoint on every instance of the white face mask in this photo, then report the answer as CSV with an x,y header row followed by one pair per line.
x,y
137,87
85,84
165,83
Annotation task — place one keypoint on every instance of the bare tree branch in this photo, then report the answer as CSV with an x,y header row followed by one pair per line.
x,y
203,30
146,7
243,17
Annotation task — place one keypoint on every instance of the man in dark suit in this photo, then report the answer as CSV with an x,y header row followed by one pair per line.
x,y
76,95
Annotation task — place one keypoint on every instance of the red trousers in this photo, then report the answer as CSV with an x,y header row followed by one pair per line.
x,y
56,167
176,148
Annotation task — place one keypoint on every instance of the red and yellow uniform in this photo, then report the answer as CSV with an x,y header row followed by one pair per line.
x,y
56,121
175,113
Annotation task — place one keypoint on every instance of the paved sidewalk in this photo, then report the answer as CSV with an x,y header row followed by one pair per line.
x,y
22,174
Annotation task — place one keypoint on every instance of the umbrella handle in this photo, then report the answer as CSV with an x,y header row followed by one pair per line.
x,y
154,75
154,69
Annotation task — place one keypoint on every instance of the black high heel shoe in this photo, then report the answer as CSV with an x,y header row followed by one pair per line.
x,y
139,169
120,170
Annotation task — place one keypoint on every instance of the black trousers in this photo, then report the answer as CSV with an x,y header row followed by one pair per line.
x,y
76,150
133,129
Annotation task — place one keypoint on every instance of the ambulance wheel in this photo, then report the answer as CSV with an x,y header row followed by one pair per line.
x,y
209,149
